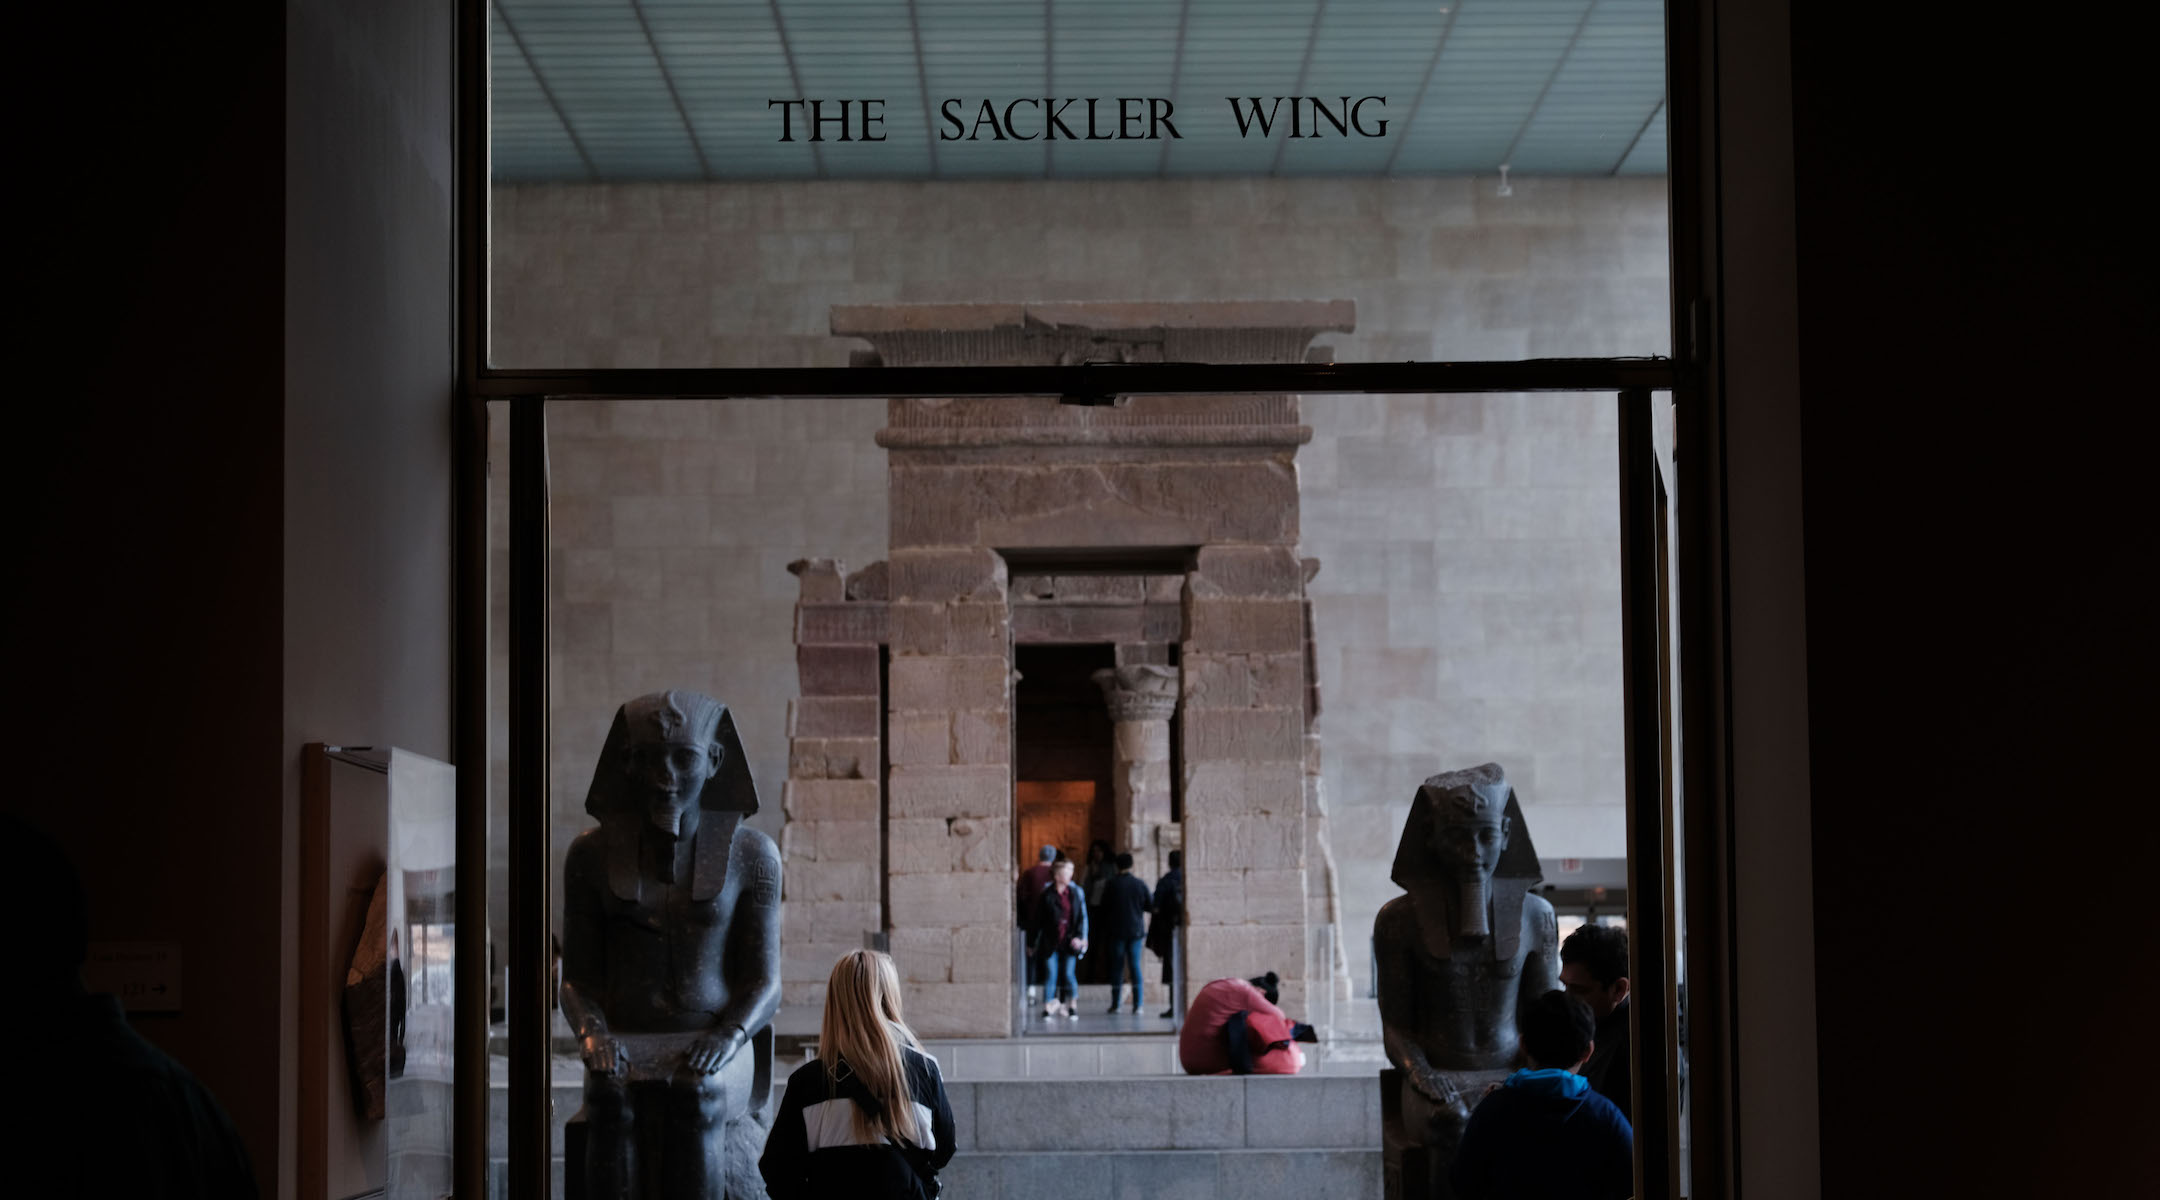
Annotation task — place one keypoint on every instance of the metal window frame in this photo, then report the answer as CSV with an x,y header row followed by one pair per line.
x,y
1702,603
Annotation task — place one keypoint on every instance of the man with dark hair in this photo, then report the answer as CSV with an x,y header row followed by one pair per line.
x,y
1594,970
1027,894
1162,928
113,1115
1543,1134
1125,905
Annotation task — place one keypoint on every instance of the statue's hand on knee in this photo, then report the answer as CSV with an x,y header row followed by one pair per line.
x,y
710,1053
603,1055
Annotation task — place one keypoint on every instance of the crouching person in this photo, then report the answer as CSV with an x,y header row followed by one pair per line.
x,y
1544,1133
868,1116
1234,1028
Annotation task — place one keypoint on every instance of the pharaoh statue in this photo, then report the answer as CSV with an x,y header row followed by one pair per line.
x,y
1458,956
671,959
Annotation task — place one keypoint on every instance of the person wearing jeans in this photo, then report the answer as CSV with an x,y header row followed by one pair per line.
x,y
1124,924
1061,930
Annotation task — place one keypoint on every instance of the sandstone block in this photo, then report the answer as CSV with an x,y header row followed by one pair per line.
x,y
1247,735
1216,626
1246,681
856,622
920,627
917,846
977,628
984,737
956,791
1247,571
946,1010
832,758
824,881
923,955
830,799
940,684
838,921
950,900
1214,896
845,841
1133,503
1051,624
807,961
833,717
1274,897
1248,840
1243,951
1228,788
942,576
920,738
823,579
981,954
838,670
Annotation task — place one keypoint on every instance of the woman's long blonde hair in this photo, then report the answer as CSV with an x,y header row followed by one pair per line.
x,y
863,1026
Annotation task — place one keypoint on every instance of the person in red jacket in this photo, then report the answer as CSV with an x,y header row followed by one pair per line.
x,y
1234,1028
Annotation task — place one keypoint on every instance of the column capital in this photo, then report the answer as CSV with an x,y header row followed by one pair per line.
x,y
1140,692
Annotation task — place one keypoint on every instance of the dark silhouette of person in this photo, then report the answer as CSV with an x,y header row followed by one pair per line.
x,y
113,1115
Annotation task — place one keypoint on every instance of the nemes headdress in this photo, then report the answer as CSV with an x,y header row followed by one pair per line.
x,y
1476,793
673,718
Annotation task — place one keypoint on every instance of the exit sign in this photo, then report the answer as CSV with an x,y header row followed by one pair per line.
x,y
1571,866
145,975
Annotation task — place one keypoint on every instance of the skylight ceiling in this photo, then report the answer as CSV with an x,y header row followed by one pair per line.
x,y
589,90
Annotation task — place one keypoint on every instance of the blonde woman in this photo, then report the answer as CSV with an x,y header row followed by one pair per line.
x,y
868,1116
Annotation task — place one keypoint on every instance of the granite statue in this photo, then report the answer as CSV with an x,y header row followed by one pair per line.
x,y
671,959
1459,955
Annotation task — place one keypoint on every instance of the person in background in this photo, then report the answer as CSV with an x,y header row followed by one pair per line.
x,y
109,1114
1061,937
1544,1134
868,1116
1594,970
1234,1028
1026,895
1124,920
1095,876
1169,912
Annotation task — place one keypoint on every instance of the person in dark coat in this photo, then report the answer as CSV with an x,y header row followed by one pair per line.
x,y
110,1114
867,1117
1169,909
1061,937
1123,912
1594,970
1544,1134
1026,895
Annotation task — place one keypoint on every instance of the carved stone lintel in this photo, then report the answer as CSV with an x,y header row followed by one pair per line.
x,y
1140,692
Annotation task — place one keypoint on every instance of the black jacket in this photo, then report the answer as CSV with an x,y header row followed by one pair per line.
x,y
1045,940
1169,911
1609,1070
813,1150
1532,1140
1124,908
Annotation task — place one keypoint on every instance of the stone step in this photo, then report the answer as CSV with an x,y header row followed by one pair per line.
x,y
1215,1112
1169,1175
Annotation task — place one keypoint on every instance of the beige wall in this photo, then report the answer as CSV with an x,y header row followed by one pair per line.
x,y
1468,603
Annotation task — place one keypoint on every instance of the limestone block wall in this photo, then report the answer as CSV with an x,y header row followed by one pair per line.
x,y
1467,608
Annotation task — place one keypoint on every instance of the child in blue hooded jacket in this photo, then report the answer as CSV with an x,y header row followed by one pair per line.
x,y
1544,1135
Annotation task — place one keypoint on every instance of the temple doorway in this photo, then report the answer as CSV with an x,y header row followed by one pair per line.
x,y
1061,752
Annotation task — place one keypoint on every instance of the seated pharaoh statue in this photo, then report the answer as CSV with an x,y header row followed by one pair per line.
x,y
1458,957
671,960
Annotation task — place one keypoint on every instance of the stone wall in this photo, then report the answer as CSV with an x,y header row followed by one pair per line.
x,y
1467,604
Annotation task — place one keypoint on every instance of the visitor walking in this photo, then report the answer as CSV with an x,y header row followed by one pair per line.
x,y
1027,897
1095,876
1124,921
1169,913
868,1116
1061,937
1544,1134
